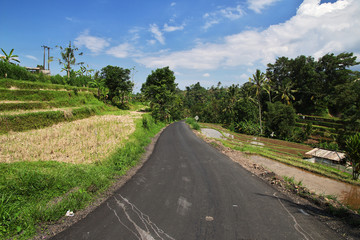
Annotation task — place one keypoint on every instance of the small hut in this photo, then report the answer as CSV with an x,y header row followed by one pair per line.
x,y
326,156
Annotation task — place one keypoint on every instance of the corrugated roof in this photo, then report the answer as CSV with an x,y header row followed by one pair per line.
x,y
322,153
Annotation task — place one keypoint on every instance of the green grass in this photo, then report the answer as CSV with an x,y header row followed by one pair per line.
x,y
19,84
36,192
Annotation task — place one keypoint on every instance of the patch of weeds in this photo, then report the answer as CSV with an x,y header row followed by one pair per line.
x,y
193,123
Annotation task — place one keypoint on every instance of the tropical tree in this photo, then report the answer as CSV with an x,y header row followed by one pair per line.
x,y
259,81
98,83
159,89
68,58
118,81
285,92
9,57
352,149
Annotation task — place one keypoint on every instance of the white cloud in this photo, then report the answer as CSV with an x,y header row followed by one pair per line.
x,y
315,30
231,13
168,28
154,29
173,4
69,19
206,75
121,51
31,57
258,5
94,44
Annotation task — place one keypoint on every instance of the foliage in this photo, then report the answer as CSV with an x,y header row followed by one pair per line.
x,y
193,123
13,71
248,127
118,81
68,57
280,120
9,57
160,89
352,149
259,80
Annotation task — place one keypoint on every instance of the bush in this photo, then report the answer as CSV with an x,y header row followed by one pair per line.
x,y
280,120
192,122
248,127
16,72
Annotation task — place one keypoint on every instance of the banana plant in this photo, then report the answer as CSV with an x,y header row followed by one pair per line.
x,y
9,57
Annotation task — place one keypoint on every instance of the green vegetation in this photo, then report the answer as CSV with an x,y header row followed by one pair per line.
x,y
33,193
118,82
193,123
353,153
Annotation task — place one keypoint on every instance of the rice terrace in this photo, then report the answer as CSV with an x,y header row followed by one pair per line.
x,y
180,120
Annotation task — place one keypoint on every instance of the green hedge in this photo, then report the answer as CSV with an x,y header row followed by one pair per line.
x,y
36,120
8,83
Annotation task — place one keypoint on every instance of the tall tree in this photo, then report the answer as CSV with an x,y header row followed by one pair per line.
x,y
118,81
159,89
259,81
68,57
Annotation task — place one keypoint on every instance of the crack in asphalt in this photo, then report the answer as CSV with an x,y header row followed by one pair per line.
x,y
297,226
130,209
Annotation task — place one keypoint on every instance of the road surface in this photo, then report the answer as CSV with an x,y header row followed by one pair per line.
x,y
188,190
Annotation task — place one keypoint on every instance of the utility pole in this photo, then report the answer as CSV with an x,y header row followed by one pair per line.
x,y
48,48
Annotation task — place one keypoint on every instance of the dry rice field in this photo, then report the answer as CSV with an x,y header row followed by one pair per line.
x,y
83,141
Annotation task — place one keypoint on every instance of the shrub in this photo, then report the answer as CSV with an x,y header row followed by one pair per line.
x,y
248,127
280,120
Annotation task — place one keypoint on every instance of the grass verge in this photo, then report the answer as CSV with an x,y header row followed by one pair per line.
x,y
36,192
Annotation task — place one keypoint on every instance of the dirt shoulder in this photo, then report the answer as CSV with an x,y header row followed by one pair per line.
x,y
329,211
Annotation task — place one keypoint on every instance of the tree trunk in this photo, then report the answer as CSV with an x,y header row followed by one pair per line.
x,y
261,130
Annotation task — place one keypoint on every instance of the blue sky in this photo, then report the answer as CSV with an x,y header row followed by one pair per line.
x,y
204,41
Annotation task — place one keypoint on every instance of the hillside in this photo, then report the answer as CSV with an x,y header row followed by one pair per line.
x,y
26,105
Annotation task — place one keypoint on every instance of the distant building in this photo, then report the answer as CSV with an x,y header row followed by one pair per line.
x,y
38,70
326,156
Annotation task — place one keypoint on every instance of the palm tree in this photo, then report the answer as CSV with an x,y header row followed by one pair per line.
x,y
9,57
285,92
68,57
259,80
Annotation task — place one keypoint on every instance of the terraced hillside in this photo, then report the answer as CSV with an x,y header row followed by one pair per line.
x,y
28,105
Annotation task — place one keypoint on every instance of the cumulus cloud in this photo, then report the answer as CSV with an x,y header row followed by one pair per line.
x,y
168,28
94,44
121,51
157,34
206,75
315,30
173,4
31,57
231,13
258,5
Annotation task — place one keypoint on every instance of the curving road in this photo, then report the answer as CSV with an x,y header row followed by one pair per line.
x,y
188,190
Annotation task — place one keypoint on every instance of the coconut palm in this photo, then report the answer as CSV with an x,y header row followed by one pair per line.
x,y
285,92
9,57
259,80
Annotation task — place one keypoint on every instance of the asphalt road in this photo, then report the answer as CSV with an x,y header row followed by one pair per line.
x,y
188,190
